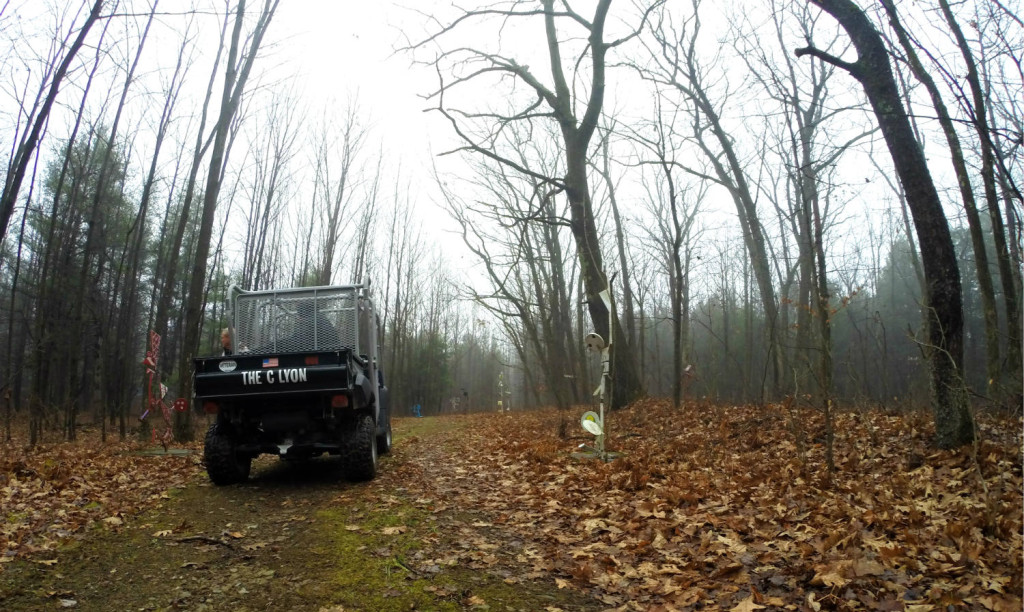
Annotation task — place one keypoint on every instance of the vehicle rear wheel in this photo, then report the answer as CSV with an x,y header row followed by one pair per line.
x,y
360,454
223,463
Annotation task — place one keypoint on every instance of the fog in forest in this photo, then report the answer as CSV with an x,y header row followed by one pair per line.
x,y
770,224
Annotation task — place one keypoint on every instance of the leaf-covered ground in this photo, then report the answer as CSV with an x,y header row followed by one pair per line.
x,y
53,492
709,507
728,507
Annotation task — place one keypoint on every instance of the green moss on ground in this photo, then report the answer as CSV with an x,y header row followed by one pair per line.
x,y
382,561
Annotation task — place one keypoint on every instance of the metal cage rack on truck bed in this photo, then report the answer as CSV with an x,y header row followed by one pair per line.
x,y
305,319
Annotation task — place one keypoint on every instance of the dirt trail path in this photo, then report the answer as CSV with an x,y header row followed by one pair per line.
x,y
298,537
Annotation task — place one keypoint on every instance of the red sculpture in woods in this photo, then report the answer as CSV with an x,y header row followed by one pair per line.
x,y
155,401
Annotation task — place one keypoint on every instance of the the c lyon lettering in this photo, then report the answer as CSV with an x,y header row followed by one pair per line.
x,y
294,375
281,375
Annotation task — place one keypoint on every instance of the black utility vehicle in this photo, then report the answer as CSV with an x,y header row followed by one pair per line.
x,y
302,380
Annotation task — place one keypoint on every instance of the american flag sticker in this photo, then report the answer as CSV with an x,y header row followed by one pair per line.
x,y
270,362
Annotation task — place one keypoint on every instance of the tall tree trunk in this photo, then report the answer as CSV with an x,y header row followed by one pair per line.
x,y
824,312
126,367
96,247
576,135
563,333
234,85
988,179
577,129
628,315
338,194
677,67
175,249
954,424
7,387
985,285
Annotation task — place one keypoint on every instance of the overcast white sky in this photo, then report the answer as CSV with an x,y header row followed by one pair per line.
x,y
338,50
341,48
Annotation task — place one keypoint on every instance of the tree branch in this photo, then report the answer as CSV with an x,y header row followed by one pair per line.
x,y
853,69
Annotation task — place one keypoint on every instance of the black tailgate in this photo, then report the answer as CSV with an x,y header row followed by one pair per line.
x,y
247,375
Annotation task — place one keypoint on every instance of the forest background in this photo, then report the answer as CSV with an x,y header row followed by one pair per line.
x,y
757,240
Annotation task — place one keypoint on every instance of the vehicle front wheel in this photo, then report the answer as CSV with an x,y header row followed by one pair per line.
x,y
360,454
223,463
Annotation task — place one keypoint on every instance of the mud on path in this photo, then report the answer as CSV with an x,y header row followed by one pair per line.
x,y
299,537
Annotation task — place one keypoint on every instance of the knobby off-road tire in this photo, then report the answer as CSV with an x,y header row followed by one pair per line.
x,y
384,437
360,453
223,463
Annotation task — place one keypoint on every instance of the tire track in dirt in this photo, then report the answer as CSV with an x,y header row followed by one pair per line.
x,y
298,537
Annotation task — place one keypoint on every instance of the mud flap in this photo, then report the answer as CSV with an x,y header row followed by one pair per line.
x,y
364,389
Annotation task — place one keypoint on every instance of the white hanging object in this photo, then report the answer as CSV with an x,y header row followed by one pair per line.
x,y
591,422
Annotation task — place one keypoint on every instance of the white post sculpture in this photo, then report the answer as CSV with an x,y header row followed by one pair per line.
x,y
595,423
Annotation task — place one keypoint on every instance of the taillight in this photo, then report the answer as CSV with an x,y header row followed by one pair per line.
x,y
339,401
211,407
313,360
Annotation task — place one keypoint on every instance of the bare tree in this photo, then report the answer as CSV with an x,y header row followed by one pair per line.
x,y
46,276
674,205
604,169
405,248
365,227
980,120
515,234
963,176
234,85
174,247
675,65
269,175
576,115
808,145
88,315
953,422
338,149
23,154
